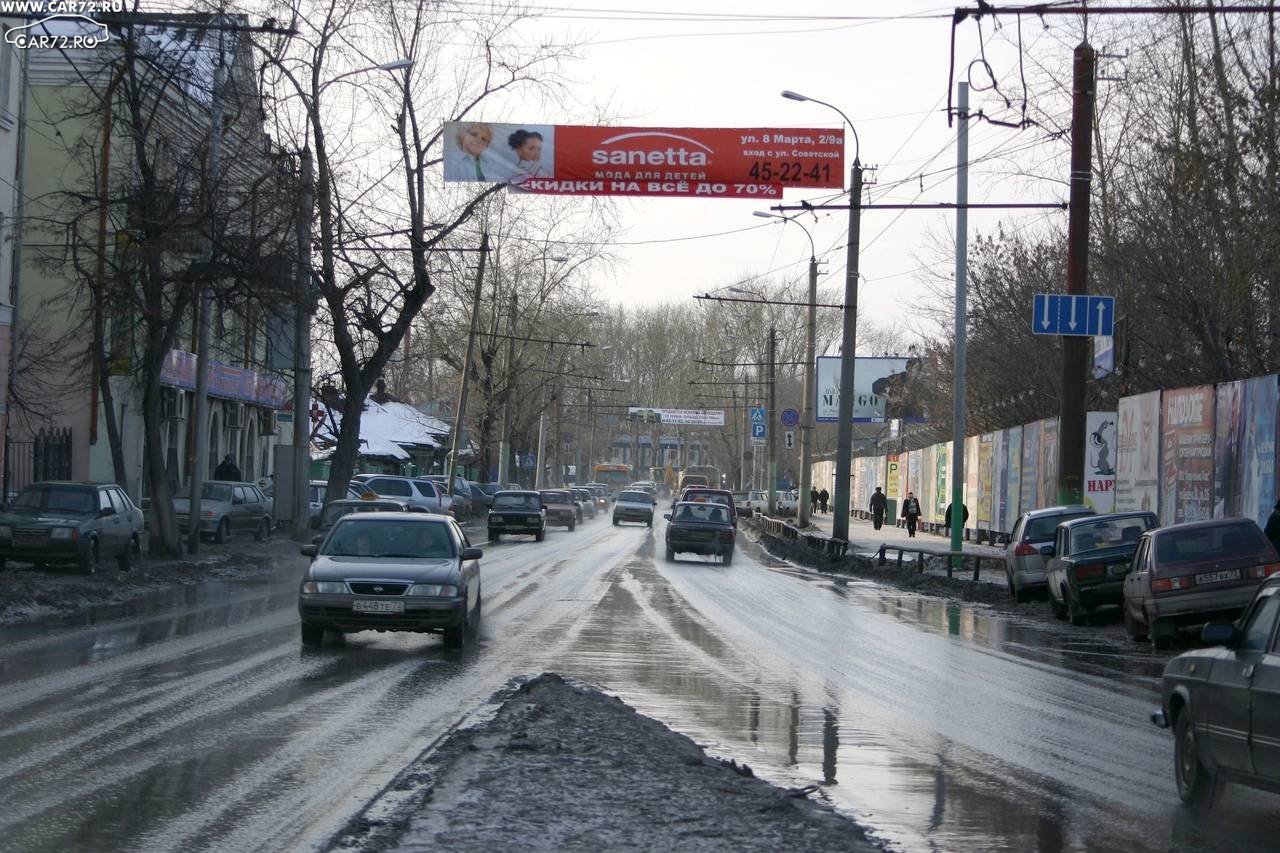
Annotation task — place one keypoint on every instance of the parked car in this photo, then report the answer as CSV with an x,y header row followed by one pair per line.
x,y
586,501
517,512
758,501
560,507
391,571
700,528
633,505
418,493
335,510
788,502
1192,573
742,504
461,494
64,522
482,497
1024,565
702,494
227,508
319,496
1223,703
1087,563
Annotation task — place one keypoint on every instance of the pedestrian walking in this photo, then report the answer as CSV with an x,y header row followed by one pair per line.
x,y
1273,527
227,469
911,512
879,503
823,497
946,518
813,500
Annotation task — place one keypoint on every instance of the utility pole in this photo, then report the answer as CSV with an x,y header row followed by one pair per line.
x,y
302,356
557,398
806,420
1075,350
962,253
770,418
201,416
539,463
848,348
591,438
743,482
460,417
504,444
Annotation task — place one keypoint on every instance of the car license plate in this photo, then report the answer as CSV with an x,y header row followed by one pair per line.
x,y
1218,577
362,606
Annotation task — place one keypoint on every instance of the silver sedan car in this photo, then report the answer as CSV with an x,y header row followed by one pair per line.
x,y
1024,565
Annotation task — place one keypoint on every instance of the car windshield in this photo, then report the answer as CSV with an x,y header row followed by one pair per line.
x,y
215,492
516,502
1042,528
1108,533
635,498
703,512
417,540
59,498
330,514
1223,541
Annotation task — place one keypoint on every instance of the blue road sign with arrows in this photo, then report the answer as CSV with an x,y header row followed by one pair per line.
x,y
1084,315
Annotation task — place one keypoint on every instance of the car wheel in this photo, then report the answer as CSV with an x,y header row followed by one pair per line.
x,y
649,523
455,637
1059,609
615,522
495,536
572,524
224,531
1135,629
1076,612
89,562
312,635
727,558
1161,642
540,535
1013,590
132,550
263,531
671,555
1194,782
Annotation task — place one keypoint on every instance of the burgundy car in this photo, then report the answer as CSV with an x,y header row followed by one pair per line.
x,y
561,508
1193,573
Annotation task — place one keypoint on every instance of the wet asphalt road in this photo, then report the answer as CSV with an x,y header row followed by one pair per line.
x,y
197,721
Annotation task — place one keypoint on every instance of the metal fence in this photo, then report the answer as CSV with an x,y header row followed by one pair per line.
x,y
45,457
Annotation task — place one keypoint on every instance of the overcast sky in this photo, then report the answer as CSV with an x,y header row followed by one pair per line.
x,y
889,76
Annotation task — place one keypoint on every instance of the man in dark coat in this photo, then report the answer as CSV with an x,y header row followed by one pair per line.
x,y
911,512
227,469
823,497
813,500
946,518
879,503
1273,527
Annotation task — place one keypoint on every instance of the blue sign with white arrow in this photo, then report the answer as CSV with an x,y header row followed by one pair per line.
x,y
1083,315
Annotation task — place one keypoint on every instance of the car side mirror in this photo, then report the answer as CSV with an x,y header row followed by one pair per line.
x,y
310,550
1046,550
472,553
667,516
316,540
1218,634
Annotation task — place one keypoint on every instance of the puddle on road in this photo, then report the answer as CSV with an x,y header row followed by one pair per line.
x,y
915,790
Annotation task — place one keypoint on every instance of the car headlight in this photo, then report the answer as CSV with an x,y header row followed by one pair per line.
x,y
329,587
435,590
62,533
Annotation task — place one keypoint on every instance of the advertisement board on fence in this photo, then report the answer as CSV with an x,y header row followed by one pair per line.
x,y
941,481
982,487
1228,438
1257,462
1100,469
681,417
1010,479
873,378
1186,431
1047,489
891,477
1029,481
561,159
1138,453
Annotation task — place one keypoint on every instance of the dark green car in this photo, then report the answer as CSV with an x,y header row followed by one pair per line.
x,y
79,523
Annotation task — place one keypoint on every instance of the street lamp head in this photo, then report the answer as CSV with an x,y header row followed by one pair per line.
x,y
793,96
764,214
395,65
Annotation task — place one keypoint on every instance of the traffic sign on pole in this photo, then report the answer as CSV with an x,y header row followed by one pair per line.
x,y
1081,315
789,439
758,431
790,417
757,414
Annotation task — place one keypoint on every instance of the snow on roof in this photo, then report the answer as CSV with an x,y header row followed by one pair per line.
x,y
388,429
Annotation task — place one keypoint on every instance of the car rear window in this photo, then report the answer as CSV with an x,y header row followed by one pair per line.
x,y
1108,533
556,497
517,502
1043,527
702,512
1219,542
635,497
361,537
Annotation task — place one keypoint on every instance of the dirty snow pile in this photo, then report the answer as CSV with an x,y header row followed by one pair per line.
x,y
561,766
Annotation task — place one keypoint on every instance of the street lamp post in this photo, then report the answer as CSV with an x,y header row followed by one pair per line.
x,y
810,355
849,336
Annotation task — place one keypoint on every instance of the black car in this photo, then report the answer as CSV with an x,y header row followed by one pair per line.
x,y
700,528
1086,565
517,512
1223,703
65,522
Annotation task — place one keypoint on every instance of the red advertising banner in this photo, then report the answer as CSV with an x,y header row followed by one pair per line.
x,y
652,161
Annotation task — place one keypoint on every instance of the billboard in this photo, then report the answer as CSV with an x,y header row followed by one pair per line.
x,y
563,159
1138,453
872,377
1257,463
1029,479
892,477
942,480
985,479
1010,479
1047,489
679,417
1099,463
1228,438
1186,430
